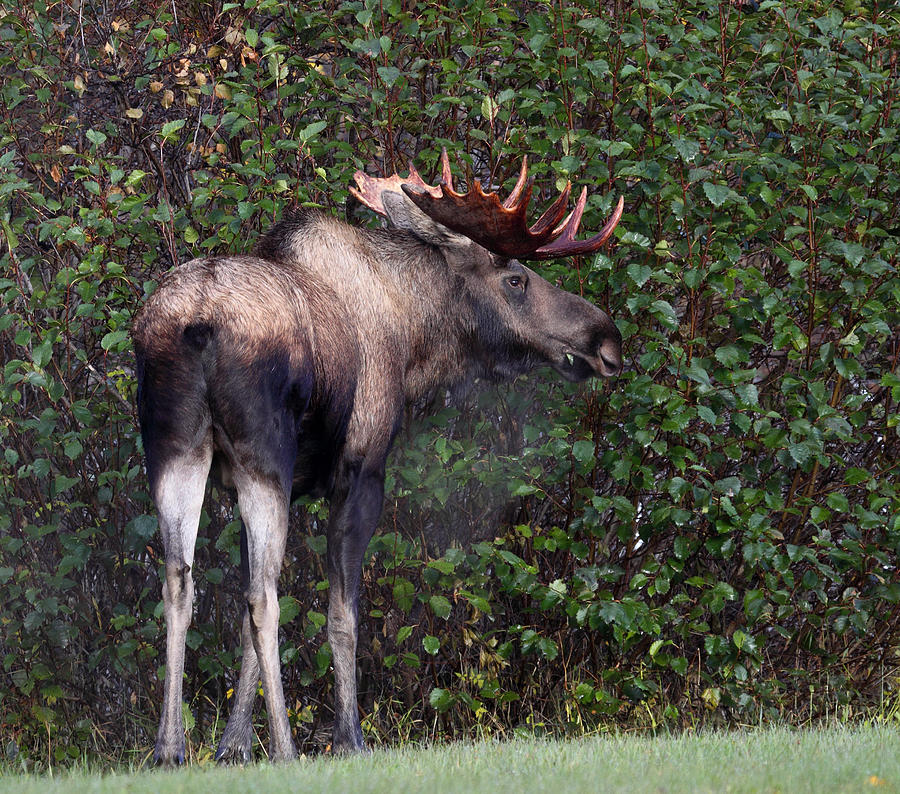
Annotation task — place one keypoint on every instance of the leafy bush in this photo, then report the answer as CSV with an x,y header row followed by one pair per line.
x,y
714,536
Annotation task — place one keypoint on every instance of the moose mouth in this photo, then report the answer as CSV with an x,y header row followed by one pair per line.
x,y
577,367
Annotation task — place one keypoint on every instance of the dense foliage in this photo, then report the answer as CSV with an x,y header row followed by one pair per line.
x,y
712,536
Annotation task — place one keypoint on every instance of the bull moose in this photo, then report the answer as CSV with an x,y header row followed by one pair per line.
x,y
286,373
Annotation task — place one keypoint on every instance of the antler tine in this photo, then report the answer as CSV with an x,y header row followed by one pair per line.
x,y
554,214
566,244
513,197
446,174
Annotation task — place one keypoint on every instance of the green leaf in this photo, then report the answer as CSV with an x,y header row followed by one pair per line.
x,y
96,137
440,606
717,194
171,127
583,451
838,501
810,191
311,130
144,526
440,699
431,644
489,107
729,355
639,273
687,148
388,74
114,340
41,353
289,608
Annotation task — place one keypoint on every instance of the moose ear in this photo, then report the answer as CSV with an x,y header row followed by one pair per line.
x,y
403,214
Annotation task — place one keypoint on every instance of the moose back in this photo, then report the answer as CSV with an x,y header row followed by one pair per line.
x,y
286,372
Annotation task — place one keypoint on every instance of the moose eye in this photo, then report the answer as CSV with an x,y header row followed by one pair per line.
x,y
516,282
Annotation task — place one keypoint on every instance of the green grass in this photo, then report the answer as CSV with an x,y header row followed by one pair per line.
x,y
835,759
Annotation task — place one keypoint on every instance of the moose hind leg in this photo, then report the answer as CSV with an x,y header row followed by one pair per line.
x,y
235,746
237,738
178,487
264,511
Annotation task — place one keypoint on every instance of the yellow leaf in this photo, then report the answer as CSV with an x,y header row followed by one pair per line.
x,y
222,91
134,113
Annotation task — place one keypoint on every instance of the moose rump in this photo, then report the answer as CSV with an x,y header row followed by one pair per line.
x,y
287,372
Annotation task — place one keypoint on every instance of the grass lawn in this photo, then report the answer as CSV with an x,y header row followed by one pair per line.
x,y
770,760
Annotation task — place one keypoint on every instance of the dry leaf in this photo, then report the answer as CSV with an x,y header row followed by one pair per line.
x,y
134,113
167,98
156,86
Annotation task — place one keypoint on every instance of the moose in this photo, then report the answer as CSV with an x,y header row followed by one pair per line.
x,y
287,372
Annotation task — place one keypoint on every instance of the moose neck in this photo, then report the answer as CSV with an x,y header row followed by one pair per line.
x,y
440,322
454,335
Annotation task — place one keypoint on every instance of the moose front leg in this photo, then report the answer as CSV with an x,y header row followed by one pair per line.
x,y
356,510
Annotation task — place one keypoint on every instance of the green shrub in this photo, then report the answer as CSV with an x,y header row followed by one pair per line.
x,y
713,536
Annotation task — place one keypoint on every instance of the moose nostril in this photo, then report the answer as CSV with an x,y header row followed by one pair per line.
x,y
611,356
613,366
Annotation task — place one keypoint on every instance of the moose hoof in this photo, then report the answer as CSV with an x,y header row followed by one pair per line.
x,y
238,754
351,745
283,755
168,756
349,749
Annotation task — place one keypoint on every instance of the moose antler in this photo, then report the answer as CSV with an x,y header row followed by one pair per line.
x,y
501,227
